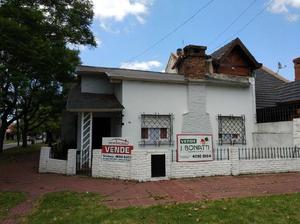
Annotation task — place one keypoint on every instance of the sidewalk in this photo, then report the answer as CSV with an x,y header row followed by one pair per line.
x,y
22,176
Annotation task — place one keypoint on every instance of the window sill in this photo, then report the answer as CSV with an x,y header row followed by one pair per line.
x,y
155,143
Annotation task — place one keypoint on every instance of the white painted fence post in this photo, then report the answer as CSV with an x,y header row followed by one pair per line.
x,y
44,156
234,158
296,131
71,162
96,163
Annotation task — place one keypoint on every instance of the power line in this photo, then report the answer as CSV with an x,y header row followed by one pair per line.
x,y
245,26
232,23
172,31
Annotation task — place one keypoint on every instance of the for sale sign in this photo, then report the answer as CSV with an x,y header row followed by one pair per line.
x,y
116,149
194,147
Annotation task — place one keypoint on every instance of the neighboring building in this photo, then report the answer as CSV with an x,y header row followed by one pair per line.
x,y
278,104
205,94
277,99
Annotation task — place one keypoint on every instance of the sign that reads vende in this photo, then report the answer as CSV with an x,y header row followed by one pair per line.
x,y
116,149
194,147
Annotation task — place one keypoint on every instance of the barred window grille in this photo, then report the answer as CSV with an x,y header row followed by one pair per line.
x,y
156,129
231,130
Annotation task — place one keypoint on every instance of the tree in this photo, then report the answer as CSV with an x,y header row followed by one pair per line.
x,y
43,116
34,56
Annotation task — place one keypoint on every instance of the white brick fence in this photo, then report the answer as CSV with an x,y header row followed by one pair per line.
x,y
235,163
231,161
50,165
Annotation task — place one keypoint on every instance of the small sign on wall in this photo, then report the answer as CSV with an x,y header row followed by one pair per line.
x,y
116,149
194,147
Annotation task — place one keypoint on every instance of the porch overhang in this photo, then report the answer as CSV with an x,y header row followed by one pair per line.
x,y
92,102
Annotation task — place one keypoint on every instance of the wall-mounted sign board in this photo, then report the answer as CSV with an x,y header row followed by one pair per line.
x,y
116,149
194,147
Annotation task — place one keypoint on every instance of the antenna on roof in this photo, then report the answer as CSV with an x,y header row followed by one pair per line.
x,y
280,66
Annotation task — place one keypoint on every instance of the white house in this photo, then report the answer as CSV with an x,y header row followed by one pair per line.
x,y
200,95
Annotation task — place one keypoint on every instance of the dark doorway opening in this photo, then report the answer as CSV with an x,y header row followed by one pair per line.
x,y
101,128
158,165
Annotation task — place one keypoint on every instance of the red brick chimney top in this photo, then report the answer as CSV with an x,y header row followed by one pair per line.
x,y
297,68
296,60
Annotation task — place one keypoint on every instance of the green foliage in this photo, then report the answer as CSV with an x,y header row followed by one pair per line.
x,y
9,200
68,207
35,60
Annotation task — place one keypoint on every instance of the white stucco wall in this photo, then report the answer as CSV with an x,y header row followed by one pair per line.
x,y
151,98
49,165
231,101
96,84
274,134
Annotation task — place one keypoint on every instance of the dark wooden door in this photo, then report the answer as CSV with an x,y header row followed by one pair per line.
x,y
158,165
101,128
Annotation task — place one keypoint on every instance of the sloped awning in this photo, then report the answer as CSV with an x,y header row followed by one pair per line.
x,y
92,102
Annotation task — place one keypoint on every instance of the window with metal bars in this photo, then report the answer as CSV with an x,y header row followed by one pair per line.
x,y
231,130
156,129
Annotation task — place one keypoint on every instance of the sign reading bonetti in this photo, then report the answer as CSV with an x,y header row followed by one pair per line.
x,y
194,147
116,149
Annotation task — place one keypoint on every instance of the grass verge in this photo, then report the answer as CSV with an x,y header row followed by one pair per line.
x,y
12,154
68,207
9,141
9,200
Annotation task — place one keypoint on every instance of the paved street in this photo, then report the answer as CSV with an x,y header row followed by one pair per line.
x,y
12,145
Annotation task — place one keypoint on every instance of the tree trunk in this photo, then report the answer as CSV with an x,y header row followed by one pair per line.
x,y
49,138
2,136
24,132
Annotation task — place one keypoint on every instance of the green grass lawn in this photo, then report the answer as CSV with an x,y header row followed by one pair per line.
x,y
9,200
12,154
68,207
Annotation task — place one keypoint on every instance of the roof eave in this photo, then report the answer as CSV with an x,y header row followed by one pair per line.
x,y
95,110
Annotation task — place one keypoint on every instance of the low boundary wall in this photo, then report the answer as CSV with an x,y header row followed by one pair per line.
x,y
50,165
139,168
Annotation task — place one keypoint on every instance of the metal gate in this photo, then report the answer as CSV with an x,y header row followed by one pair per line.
x,y
84,156
83,170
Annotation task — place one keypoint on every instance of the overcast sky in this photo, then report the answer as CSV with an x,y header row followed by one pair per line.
x,y
125,28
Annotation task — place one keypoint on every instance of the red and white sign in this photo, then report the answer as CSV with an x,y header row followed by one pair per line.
x,y
194,147
116,149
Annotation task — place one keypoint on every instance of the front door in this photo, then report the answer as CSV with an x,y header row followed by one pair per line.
x,y
101,128
158,165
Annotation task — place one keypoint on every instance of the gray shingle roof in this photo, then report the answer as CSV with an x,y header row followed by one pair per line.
x,y
129,74
219,53
266,86
138,75
289,92
227,48
272,89
89,102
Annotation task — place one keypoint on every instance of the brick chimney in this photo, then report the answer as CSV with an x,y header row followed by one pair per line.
x,y
192,64
297,68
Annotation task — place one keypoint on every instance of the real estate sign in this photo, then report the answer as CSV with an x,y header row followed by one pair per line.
x,y
194,147
116,149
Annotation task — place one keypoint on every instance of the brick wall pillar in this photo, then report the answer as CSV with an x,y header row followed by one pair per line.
x,y
296,132
234,159
71,162
44,156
